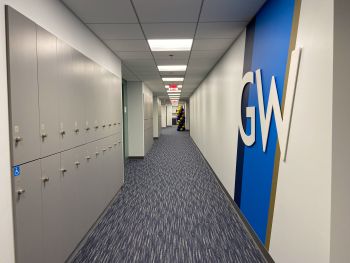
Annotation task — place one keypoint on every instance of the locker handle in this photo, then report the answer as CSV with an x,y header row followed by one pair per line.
x,y
45,179
115,144
119,142
62,132
96,127
104,149
43,135
76,130
110,124
88,157
87,128
63,170
77,163
115,124
18,139
21,191
110,147
119,123
104,125
97,153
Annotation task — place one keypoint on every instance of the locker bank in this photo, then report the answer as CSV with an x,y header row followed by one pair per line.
x,y
174,131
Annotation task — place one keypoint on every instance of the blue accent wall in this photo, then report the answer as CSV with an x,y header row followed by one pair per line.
x,y
272,29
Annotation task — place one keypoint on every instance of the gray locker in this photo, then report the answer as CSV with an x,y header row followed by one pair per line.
x,y
91,123
48,92
71,111
52,209
79,86
70,166
28,213
23,87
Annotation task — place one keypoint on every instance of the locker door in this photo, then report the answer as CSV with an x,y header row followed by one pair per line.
x,y
120,161
48,92
90,103
70,212
118,99
104,100
79,93
28,213
97,182
111,171
66,96
97,101
90,205
23,87
105,170
52,209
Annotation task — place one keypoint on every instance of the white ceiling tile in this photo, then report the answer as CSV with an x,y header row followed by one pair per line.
x,y
129,55
207,54
169,30
175,54
117,31
171,61
103,11
220,30
127,45
212,44
230,10
157,11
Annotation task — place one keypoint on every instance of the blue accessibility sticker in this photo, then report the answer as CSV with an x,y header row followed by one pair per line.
x,y
17,170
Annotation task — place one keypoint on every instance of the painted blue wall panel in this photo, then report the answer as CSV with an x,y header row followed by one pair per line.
x,y
272,30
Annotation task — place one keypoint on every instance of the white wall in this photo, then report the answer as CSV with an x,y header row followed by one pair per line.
x,y
301,223
214,114
54,17
187,115
148,118
340,227
169,114
163,116
156,117
135,119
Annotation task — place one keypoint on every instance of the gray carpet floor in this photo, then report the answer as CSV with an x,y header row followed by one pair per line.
x,y
171,209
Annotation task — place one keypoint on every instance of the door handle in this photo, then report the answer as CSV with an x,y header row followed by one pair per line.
x,y
18,139
21,191
45,179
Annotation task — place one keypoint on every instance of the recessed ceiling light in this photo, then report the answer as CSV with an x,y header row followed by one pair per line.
x,y
173,79
172,68
170,44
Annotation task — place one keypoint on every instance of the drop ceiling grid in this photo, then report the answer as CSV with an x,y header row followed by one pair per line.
x,y
212,24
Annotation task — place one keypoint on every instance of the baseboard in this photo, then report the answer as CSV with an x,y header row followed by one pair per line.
x,y
136,157
248,227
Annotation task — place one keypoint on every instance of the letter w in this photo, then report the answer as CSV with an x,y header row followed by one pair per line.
x,y
283,125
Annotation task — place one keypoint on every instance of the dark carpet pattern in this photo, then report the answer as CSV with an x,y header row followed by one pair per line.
x,y
171,209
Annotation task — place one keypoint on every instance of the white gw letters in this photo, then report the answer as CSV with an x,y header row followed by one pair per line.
x,y
273,105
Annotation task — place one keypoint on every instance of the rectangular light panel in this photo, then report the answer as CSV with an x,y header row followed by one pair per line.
x,y
172,79
172,68
170,44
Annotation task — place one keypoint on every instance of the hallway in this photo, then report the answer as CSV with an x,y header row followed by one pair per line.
x,y
171,209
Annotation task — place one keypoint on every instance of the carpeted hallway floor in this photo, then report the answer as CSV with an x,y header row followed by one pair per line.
x,y
171,209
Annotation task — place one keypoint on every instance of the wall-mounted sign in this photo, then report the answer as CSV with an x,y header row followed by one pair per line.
x,y
273,106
